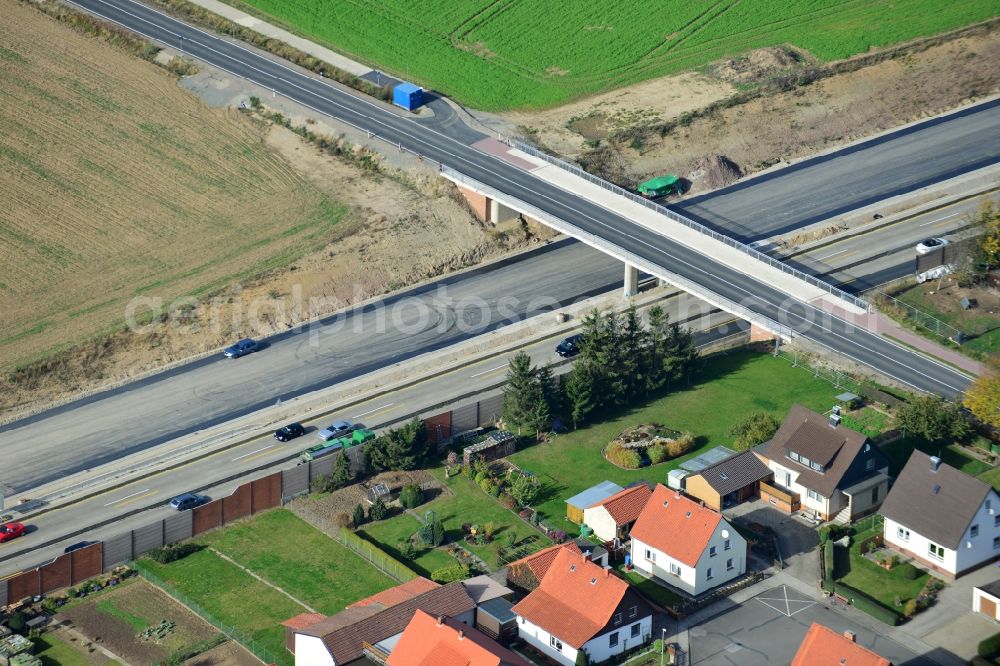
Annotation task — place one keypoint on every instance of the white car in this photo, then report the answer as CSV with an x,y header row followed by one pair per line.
x,y
931,244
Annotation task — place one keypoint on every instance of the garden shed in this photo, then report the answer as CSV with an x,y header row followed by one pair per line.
x,y
576,504
729,482
378,490
495,618
497,445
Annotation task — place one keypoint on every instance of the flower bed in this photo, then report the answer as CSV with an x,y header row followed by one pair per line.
x,y
645,445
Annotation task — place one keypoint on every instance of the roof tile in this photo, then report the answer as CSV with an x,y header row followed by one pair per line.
x,y
676,525
427,642
825,647
398,594
625,506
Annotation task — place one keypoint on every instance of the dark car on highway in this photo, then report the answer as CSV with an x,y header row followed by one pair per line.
x,y
241,348
570,346
187,501
290,431
11,531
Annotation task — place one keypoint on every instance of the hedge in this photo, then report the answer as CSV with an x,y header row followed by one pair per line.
x,y
990,647
865,603
828,566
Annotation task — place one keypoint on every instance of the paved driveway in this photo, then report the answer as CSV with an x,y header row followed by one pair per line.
x,y
768,628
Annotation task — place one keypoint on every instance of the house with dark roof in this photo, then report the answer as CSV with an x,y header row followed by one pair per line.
x,y
685,544
582,607
374,629
823,646
443,641
613,517
824,468
942,517
729,482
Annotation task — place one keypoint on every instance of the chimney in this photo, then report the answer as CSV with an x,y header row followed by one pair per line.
x,y
607,572
440,620
935,463
461,634
677,494
834,420
849,635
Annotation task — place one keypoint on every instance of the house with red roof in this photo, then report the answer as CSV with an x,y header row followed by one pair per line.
x,y
823,646
580,606
442,641
685,544
526,573
613,517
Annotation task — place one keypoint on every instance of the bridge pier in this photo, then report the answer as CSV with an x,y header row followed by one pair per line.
x,y
487,209
760,334
631,281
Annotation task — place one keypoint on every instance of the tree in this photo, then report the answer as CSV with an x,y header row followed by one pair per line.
x,y
632,339
656,344
932,419
551,389
432,531
411,496
521,394
524,489
358,517
342,474
399,449
539,418
982,398
378,510
753,430
579,393
407,550
985,253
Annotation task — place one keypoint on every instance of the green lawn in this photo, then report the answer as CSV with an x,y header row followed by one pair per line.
x,y
982,326
876,582
992,477
53,651
388,534
867,420
288,552
230,596
725,389
900,450
501,55
657,593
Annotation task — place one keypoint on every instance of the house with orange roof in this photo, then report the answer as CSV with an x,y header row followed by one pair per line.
x,y
442,641
685,544
526,573
579,607
823,646
613,517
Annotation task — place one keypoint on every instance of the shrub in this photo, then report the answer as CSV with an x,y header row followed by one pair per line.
x,y
524,489
990,647
753,430
868,605
378,510
407,550
16,622
558,536
910,608
342,520
627,458
170,554
480,477
508,501
358,516
681,445
908,571
494,488
450,574
831,532
432,534
411,496
452,458
525,513
828,571
657,453
488,530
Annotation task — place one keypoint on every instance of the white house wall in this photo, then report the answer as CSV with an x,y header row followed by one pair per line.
x,y
660,567
538,638
694,580
918,545
599,649
310,651
977,599
598,519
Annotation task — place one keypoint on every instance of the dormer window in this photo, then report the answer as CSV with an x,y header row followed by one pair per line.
x,y
794,456
816,466
870,464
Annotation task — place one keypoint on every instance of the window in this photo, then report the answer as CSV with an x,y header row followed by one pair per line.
x,y
729,564
788,479
987,505
708,574
935,551
675,569
996,520
996,543
618,618
727,545
613,639
874,494
636,628
816,466
903,533
870,464
650,555
813,495
555,642
974,531
793,455
711,551
632,612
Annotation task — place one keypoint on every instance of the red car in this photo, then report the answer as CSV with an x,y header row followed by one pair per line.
x,y
11,531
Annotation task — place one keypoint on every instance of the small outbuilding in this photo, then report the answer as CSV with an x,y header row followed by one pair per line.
x,y
986,600
378,490
576,504
408,95
495,618
729,482
497,445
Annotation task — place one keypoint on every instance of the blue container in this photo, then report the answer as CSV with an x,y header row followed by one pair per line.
x,y
408,96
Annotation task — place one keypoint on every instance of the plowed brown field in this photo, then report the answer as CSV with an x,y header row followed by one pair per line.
x,y
115,183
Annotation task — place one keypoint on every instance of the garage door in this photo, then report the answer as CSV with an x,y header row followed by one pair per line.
x,y
988,607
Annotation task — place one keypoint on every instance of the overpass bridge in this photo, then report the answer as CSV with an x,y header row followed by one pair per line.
x,y
833,326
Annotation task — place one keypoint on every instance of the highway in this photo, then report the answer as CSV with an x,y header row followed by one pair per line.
x,y
728,282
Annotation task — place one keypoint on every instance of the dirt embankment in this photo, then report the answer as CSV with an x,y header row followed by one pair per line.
x,y
658,132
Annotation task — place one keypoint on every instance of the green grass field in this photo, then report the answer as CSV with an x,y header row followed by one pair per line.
x,y
389,534
53,651
288,552
725,389
495,54
864,575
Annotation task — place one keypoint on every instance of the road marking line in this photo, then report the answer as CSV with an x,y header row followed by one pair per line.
x,y
127,497
486,372
940,219
372,411
830,256
269,446
255,456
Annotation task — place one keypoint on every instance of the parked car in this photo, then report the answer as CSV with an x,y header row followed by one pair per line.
x,y
570,346
241,348
289,432
931,244
10,531
187,501
78,545
336,429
